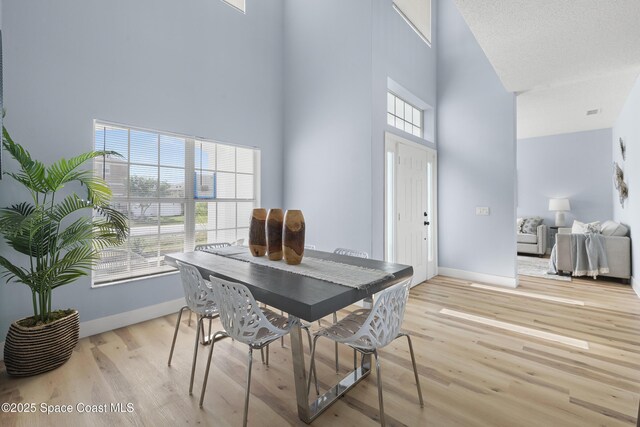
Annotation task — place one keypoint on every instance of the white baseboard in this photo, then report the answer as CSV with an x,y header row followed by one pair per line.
x,y
115,321
635,286
508,282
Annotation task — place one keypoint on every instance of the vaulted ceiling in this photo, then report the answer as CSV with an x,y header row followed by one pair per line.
x,y
562,58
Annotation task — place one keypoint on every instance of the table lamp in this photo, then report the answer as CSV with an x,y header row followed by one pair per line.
x,y
560,206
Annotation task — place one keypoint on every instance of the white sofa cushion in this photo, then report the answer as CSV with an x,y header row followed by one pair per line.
x,y
582,227
612,228
527,238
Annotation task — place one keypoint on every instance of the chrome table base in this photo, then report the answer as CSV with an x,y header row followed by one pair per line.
x,y
308,412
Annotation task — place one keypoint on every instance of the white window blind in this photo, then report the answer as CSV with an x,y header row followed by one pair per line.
x,y
177,192
404,116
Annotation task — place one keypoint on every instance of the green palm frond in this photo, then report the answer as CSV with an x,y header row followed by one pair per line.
x,y
60,237
69,205
14,218
64,171
14,273
32,172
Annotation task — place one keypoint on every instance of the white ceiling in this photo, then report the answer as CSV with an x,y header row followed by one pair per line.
x,y
562,57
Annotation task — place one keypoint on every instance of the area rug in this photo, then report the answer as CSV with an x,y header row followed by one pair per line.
x,y
537,267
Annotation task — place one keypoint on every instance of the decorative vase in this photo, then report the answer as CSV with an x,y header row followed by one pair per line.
x,y
38,349
274,234
293,237
257,237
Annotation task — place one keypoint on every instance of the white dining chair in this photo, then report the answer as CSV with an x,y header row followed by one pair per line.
x,y
204,247
245,321
201,301
348,252
367,331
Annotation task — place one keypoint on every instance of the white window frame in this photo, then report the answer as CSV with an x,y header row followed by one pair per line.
x,y
189,200
393,114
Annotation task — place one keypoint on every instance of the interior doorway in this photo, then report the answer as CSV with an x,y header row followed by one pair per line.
x,y
411,206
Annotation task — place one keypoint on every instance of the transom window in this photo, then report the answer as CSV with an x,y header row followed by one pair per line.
x,y
177,192
404,116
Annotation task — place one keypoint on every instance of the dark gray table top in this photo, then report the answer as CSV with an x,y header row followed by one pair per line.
x,y
301,296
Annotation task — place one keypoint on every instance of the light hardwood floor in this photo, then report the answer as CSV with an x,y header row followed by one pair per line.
x,y
472,374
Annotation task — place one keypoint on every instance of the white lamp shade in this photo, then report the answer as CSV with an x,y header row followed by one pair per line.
x,y
559,205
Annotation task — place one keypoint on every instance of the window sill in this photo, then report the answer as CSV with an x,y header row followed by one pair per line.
x,y
134,279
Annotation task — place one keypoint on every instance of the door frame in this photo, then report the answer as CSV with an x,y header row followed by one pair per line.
x,y
391,141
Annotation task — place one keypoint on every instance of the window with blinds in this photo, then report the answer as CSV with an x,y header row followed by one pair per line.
x,y
177,192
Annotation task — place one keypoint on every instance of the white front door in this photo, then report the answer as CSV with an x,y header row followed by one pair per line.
x,y
413,231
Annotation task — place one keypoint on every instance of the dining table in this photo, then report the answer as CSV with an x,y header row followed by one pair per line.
x,y
304,295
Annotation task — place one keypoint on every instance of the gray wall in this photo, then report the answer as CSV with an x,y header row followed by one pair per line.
x,y
573,165
476,128
328,120
627,127
197,67
335,110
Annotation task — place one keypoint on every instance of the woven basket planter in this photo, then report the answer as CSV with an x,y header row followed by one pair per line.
x,y
34,350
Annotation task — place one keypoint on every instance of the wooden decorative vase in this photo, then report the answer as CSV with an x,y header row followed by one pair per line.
x,y
257,234
275,221
293,237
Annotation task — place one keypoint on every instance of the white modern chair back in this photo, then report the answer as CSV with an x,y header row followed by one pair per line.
x,y
379,328
351,252
240,314
385,320
197,292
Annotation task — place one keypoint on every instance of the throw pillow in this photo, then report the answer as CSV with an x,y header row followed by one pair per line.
x,y
519,224
582,228
530,225
612,228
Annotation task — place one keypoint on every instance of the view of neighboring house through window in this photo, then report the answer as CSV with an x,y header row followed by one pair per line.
x,y
404,116
177,191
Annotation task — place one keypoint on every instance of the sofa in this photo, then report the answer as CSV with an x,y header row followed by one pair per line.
x,y
535,244
617,248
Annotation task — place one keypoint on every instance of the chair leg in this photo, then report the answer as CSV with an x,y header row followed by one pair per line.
x,y
311,371
267,364
206,372
282,337
189,322
415,370
195,354
379,380
312,367
355,360
175,333
335,320
248,391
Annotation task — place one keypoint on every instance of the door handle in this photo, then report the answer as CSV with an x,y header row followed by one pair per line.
x,y
427,223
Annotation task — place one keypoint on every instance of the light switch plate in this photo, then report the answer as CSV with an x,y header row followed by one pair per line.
x,y
482,211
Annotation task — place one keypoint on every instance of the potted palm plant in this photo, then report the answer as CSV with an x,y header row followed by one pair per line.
x,y
59,241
